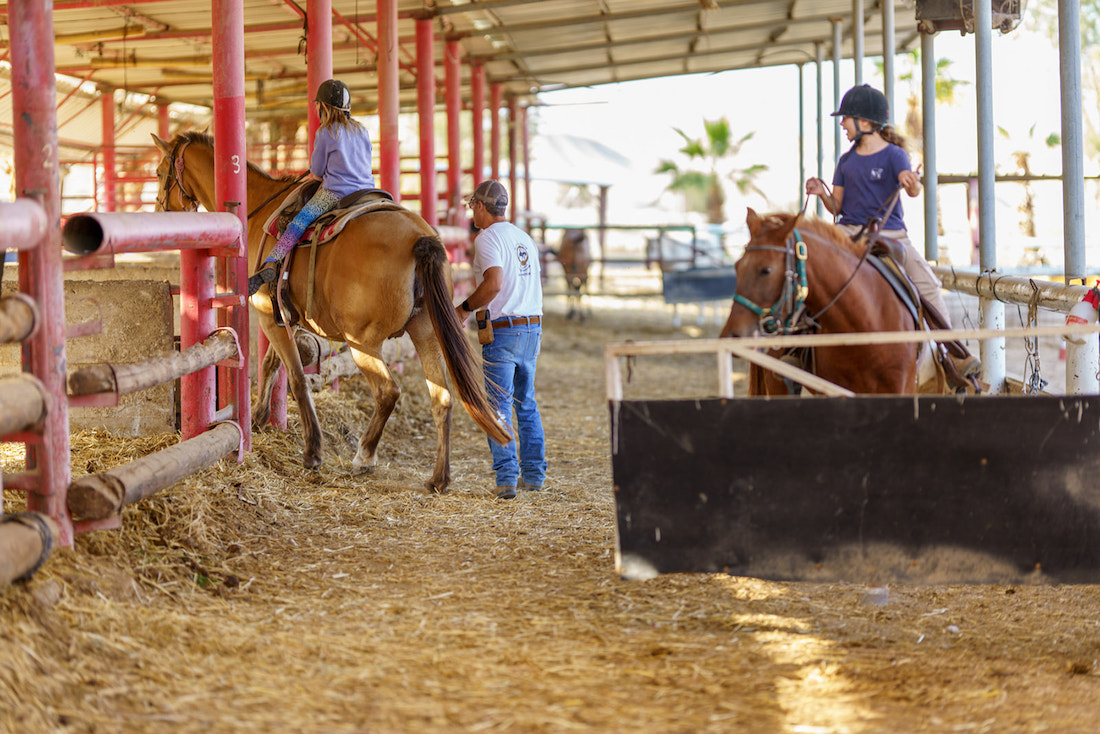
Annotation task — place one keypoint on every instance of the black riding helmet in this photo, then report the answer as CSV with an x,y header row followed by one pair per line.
x,y
866,103
335,94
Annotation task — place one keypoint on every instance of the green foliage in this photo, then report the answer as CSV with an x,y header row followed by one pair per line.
x,y
709,166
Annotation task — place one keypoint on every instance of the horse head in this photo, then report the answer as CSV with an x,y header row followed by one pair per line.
x,y
771,277
170,174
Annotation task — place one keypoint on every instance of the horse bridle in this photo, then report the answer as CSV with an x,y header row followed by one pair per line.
x,y
792,298
173,177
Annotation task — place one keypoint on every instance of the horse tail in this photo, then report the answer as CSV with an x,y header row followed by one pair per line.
x,y
466,372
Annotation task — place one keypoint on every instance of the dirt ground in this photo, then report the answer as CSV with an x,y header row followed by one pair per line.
x,y
262,597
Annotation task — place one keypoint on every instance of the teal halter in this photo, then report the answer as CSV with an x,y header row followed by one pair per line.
x,y
794,293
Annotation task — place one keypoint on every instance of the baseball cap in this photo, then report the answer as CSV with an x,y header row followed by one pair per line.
x,y
491,193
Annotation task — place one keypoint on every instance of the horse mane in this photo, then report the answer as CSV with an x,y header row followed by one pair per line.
x,y
822,228
202,138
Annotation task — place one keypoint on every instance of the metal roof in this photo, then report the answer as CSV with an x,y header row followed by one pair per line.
x,y
161,50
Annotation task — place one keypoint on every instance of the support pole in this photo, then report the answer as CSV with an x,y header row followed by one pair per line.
x,y
453,80
477,114
513,154
819,64
857,40
931,173
389,103
37,174
838,43
318,57
110,169
991,312
496,92
888,51
425,108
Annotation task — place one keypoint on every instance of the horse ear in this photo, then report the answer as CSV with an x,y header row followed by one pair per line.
x,y
787,228
162,144
754,221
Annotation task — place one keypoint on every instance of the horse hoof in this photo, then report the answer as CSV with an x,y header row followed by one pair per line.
x,y
311,462
433,489
357,471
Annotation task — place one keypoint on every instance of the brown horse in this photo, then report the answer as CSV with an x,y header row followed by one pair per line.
x,y
575,259
806,275
386,273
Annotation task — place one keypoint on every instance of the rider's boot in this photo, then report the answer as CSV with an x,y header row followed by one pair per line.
x,y
266,274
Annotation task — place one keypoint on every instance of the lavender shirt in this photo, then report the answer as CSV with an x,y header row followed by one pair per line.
x,y
342,160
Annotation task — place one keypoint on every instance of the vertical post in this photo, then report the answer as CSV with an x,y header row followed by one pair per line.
x,y
801,133
513,153
477,109
928,123
318,56
857,40
888,51
1081,360
231,195
388,100
37,174
110,170
453,80
425,108
819,49
525,138
837,49
991,311
164,122
495,96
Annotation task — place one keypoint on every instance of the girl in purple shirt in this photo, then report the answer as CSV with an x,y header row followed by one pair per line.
x,y
341,158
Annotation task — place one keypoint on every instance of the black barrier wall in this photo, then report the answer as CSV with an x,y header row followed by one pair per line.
x,y
865,490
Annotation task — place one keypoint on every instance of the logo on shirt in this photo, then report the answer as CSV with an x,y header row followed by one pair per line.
x,y
523,257
876,174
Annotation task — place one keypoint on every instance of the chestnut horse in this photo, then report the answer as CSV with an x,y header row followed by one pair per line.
x,y
575,259
385,274
806,275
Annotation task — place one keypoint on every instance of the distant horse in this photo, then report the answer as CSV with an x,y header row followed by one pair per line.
x,y
387,273
801,276
575,259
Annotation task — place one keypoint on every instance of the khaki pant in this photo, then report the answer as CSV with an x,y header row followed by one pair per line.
x,y
917,268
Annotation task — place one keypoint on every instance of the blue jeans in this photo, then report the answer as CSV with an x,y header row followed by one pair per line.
x,y
510,382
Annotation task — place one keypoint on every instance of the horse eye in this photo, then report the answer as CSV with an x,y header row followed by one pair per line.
x,y
765,272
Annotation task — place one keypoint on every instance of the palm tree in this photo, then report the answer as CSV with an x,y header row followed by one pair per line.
x,y
704,190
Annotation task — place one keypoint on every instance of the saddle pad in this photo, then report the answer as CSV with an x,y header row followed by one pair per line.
x,y
331,222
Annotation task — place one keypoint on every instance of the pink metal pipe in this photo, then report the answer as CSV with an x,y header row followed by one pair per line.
x,y
453,78
525,138
496,90
110,180
513,153
231,195
88,234
425,108
37,173
318,55
23,224
389,102
477,109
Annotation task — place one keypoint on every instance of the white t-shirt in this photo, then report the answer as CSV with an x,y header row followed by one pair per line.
x,y
504,245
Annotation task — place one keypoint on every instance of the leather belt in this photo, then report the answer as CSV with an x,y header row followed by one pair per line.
x,y
516,321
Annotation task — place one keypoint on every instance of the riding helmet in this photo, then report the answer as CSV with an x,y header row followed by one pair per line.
x,y
334,93
866,103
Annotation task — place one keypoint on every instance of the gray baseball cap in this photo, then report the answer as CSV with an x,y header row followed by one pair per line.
x,y
491,193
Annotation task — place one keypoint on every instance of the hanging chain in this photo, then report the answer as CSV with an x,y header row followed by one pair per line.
x,y
1033,381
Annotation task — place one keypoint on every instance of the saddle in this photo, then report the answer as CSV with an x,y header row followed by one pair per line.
x,y
886,256
323,230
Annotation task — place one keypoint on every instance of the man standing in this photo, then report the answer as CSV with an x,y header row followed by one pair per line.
x,y
507,275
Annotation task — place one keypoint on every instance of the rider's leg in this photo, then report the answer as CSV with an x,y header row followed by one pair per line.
x,y
321,202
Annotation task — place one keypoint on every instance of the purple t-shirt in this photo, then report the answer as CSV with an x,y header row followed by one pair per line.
x,y
869,181
342,160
